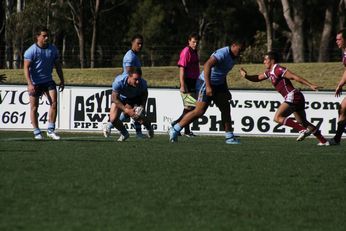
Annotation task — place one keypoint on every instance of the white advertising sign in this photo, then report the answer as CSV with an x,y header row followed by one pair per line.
x,y
15,108
87,108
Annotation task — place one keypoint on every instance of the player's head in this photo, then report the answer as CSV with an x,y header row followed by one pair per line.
x,y
270,59
341,38
237,45
42,35
193,40
135,74
137,43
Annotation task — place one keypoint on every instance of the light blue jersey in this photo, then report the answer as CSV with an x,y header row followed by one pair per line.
x,y
126,91
130,60
224,64
42,61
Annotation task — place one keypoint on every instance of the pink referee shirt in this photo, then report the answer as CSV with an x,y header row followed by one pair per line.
x,y
189,60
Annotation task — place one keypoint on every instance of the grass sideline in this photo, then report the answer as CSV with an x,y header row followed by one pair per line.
x,y
326,75
86,182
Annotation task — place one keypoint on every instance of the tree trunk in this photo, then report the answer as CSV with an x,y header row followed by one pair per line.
x,y
342,14
326,34
94,33
294,16
265,9
78,23
17,39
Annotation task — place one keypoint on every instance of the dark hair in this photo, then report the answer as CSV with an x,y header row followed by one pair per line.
x,y
135,70
273,55
40,29
137,36
193,35
342,32
237,41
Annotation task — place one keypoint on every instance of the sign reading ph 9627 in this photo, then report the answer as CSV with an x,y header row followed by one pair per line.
x,y
15,108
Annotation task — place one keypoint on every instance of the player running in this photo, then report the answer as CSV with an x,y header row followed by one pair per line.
x,y
212,85
294,99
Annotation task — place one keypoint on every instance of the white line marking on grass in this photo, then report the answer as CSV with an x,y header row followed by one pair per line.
x,y
62,138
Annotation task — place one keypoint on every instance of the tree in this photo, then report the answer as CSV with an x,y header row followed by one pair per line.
x,y
77,18
326,33
294,15
265,7
96,7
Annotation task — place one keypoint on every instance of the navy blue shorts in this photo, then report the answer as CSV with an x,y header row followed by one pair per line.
x,y
42,88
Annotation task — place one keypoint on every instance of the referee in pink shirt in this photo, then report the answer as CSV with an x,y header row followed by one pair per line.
x,y
188,74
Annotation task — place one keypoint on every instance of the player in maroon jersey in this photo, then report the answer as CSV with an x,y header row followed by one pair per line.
x,y
341,42
294,99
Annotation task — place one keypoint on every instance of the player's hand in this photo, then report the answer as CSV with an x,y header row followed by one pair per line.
x,y
130,112
182,89
61,86
243,72
209,91
315,87
338,91
31,89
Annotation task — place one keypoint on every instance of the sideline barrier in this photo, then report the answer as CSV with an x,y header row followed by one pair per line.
x,y
87,108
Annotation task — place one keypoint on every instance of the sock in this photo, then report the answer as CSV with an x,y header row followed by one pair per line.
x,y
122,117
319,136
339,131
229,135
51,127
291,123
124,131
187,129
138,127
177,127
37,131
110,125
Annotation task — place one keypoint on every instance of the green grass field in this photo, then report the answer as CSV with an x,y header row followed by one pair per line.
x,y
87,182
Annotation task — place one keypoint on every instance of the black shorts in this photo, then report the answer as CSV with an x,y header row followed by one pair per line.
x,y
190,85
41,88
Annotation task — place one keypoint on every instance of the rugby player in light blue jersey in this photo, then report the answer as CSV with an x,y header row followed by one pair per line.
x,y
129,92
212,86
130,60
39,60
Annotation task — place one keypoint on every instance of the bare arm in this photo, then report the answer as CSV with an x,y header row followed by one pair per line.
x,y
60,73
144,98
342,82
116,99
291,76
31,88
207,70
182,79
252,78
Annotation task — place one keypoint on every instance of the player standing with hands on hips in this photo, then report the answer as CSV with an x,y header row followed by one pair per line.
x,y
341,42
294,99
39,60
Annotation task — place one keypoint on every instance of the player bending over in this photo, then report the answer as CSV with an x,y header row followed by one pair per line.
x,y
294,99
129,95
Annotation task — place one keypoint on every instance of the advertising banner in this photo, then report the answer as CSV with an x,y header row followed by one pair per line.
x,y
87,108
